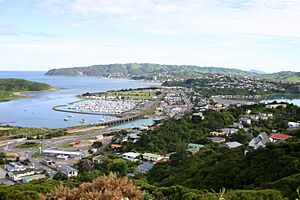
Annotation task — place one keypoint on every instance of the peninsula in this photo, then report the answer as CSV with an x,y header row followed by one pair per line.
x,y
11,88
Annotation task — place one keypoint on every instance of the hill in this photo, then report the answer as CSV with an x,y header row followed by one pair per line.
x,y
144,71
284,76
271,167
11,86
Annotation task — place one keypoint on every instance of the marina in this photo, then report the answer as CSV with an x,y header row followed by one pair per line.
x,y
37,111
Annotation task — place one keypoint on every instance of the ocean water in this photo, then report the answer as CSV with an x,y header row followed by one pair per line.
x,y
37,110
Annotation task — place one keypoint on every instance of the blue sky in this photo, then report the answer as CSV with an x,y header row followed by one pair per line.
x,y
244,34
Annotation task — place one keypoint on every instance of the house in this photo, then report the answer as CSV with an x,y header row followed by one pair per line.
x,y
230,130
260,141
18,175
232,145
14,166
238,125
70,172
99,137
216,133
194,148
133,136
152,157
217,139
276,105
116,147
144,168
280,137
245,120
132,156
294,125
99,159
48,162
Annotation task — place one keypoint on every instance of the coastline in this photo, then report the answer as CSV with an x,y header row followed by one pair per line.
x,y
17,95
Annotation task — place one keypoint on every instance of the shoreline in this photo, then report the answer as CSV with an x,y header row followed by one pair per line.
x,y
22,94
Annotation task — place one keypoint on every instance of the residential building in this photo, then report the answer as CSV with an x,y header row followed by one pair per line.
x,y
280,137
245,120
132,156
238,125
194,148
48,161
144,168
152,157
260,141
217,139
216,133
14,166
230,130
232,145
99,159
69,171
276,105
294,125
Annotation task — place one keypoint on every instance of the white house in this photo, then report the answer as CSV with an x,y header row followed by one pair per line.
x,y
132,156
232,145
69,171
260,141
294,125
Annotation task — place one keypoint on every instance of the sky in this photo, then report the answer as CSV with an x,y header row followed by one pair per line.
x,y
243,34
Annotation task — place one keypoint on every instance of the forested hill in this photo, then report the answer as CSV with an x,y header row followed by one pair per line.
x,y
144,71
285,76
11,85
20,85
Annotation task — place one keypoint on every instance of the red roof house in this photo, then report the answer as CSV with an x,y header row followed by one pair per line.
x,y
280,136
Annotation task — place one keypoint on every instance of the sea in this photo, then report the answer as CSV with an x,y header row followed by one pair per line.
x,y
37,111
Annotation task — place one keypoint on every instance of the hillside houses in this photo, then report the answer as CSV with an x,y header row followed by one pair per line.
x,y
294,125
280,137
260,141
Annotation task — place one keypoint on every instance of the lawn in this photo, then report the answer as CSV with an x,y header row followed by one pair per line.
x,y
29,145
133,94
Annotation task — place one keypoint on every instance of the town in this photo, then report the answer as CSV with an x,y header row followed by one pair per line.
x,y
28,159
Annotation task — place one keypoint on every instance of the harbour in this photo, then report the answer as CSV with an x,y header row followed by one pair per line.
x,y
37,111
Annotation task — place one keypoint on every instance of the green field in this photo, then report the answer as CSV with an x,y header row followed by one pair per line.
x,y
132,94
29,145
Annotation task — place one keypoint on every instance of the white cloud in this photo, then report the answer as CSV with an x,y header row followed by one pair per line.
x,y
265,17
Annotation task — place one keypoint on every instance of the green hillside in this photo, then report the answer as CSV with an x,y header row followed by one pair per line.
x,y
275,166
144,71
284,76
9,87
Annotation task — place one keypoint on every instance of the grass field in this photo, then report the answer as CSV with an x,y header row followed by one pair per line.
x,y
29,145
132,94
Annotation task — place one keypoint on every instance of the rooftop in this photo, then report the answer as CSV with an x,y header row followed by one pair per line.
x,y
280,136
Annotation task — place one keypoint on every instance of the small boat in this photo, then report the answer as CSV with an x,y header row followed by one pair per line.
x,y
101,120
66,119
70,115
82,120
